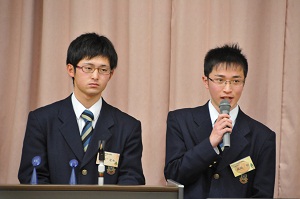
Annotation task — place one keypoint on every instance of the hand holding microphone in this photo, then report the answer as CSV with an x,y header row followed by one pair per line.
x,y
224,109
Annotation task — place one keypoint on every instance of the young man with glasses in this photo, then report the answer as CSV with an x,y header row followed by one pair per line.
x,y
71,129
194,156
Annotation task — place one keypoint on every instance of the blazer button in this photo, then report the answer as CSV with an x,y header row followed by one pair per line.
x,y
84,172
216,176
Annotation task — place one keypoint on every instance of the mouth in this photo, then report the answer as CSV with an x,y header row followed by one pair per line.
x,y
93,85
229,99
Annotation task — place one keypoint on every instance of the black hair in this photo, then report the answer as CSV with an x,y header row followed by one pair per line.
x,y
230,54
91,45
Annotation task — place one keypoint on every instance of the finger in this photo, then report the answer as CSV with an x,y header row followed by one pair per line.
x,y
224,116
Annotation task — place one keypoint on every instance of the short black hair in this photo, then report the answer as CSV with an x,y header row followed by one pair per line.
x,y
228,54
90,45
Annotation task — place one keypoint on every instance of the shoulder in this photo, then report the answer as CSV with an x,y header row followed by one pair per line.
x,y
119,115
53,108
188,112
256,127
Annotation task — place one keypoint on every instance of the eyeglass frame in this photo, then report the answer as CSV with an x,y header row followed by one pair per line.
x,y
225,82
93,69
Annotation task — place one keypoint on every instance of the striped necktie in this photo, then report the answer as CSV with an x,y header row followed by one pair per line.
x,y
87,130
221,145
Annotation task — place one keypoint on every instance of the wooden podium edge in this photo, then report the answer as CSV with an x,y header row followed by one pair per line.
x,y
131,188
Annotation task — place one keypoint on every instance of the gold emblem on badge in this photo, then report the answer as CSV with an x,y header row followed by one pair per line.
x,y
111,170
244,178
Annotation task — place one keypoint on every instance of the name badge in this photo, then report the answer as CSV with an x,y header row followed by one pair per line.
x,y
111,159
242,166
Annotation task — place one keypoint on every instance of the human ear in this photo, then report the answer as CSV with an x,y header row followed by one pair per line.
x,y
70,70
205,81
111,74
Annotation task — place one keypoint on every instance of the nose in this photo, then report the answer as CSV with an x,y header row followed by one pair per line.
x,y
227,86
95,74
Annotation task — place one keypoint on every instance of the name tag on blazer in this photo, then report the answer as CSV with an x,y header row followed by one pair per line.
x,y
242,166
111,159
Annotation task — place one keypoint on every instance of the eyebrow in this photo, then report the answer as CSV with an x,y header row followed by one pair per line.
x,y
91,64
223,76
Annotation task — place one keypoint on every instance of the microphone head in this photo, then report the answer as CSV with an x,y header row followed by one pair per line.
x,y
36,161
73,163
101,150
224,106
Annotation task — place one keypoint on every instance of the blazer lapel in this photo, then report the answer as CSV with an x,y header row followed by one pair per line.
x,y
69,128
101,132
238,141
204,127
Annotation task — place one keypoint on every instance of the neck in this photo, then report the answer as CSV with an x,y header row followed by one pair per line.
x,y
87,101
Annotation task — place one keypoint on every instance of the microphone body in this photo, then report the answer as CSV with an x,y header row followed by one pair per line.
x,y
101,166
101,169
225,108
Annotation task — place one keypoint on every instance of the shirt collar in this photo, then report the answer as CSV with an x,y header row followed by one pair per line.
x,y
79,108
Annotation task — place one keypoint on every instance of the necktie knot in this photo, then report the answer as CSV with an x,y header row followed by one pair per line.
x,y
87,115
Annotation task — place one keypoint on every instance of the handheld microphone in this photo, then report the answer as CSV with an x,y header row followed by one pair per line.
x,y
36,161
101,166
225,108
73,163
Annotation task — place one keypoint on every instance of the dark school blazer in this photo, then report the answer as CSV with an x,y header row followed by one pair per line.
x,y
52,133
192,161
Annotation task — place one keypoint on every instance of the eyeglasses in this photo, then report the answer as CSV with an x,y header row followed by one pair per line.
x,y
223,82
105,70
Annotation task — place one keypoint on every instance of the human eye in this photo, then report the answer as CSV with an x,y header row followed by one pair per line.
x,y
236,81
88,68
219,80
104,70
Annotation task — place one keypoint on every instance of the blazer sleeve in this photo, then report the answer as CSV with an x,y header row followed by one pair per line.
x,y
34,144
187,159
263,186
131,172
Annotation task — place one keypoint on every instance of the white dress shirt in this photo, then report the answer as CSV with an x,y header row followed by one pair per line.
x,y
79,108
